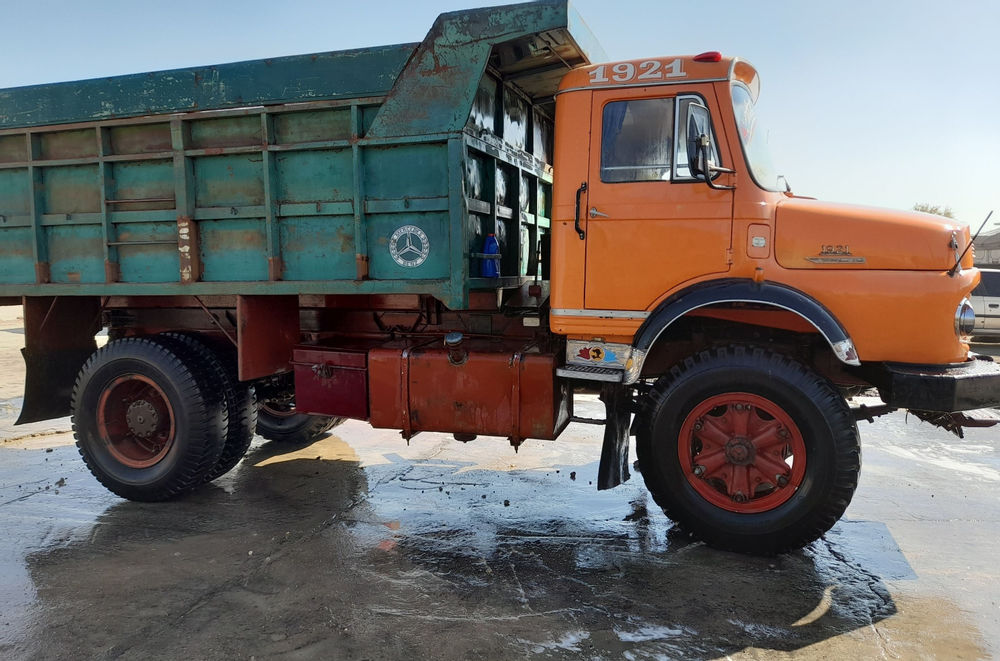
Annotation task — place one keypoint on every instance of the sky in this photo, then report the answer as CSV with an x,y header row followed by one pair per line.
x,y
880,102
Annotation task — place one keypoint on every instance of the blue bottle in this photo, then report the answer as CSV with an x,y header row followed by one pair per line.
x,y
491,265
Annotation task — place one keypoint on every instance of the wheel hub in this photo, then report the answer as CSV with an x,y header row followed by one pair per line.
x,y
740,451
141,418
135,419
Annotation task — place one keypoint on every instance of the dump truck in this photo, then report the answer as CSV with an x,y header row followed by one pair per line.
x,y
461,235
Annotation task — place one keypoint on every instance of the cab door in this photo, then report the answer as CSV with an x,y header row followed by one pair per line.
x,y
649,224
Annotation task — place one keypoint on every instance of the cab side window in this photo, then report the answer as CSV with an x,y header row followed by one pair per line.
x,y
637,140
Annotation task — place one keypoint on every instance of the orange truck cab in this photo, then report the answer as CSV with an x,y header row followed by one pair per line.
x,y
741,314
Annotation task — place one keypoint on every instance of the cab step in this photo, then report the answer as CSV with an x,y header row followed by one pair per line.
x,y
589,373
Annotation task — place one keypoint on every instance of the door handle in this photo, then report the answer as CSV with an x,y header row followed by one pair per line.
x,y
594,213
995,305
579,192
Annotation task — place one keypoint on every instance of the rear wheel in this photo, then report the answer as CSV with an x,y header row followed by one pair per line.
x,y
241,402
749,450
282,423
147,422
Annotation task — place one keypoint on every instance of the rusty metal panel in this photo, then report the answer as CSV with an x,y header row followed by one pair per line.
x,y
496,393
331,382
458,48
267,330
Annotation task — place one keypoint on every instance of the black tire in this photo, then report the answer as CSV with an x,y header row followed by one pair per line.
x,y
147,422
293,428
241,401
773,516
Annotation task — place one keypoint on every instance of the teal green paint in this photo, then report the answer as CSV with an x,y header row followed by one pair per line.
x,y
271,207
315,176
148,263
436,287
143,216
343,74
227,181
72,189
318,248
406,171
358,201
380,262
17,264
238,131
316,185
368,115
313,126
15,186
233,249
143,180
76,253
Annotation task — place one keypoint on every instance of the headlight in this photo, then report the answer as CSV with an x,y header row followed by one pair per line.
x,y
965,319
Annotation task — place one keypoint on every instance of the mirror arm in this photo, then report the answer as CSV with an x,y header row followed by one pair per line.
x,y
703,148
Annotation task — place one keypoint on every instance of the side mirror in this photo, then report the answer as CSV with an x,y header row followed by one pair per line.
x,y
702,156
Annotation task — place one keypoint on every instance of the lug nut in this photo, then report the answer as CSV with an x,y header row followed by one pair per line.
x,y
781,480
739,497
699,470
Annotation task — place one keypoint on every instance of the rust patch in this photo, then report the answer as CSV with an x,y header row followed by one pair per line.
x,y
362,266
275,268
220,239
42,273
345,237
112,272
188,250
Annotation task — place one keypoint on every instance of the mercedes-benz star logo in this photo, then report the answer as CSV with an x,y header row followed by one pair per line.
x,y
409,246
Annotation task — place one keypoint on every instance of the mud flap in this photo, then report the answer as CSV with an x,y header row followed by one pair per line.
x,y
613,469
58,337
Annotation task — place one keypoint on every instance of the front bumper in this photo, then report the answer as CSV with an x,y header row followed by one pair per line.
x,y
974,384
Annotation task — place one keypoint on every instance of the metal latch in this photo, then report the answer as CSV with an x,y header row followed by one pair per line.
x,y
322,371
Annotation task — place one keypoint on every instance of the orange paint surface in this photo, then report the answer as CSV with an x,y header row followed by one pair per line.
x,y
881,273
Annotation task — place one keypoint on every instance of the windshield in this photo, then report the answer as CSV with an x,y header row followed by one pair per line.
x,y
754,139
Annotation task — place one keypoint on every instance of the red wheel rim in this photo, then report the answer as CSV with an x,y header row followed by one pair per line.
x,y
135,421
742,452
286,412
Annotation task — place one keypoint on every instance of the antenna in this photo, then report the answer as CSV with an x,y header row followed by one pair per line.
x,y
958,261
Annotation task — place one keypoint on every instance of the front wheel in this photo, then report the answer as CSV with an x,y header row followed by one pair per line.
x,y
749,450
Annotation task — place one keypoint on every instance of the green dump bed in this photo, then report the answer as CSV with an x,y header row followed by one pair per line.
x,y
379,170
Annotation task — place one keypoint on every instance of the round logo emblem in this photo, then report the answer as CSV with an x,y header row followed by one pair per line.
x,y
409,246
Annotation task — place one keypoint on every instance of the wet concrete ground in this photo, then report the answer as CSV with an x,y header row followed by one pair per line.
x,y
359,547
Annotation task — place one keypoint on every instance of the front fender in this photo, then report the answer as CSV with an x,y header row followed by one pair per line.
x,y
735,290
